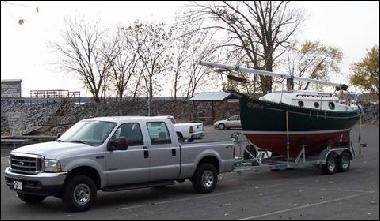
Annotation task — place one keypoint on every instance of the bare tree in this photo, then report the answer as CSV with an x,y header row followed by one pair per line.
x,y
203,47
123,67
314,60
153,41
181,40
261,28
85,52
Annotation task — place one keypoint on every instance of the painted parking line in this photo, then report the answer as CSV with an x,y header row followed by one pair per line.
x,y
132,207
303,206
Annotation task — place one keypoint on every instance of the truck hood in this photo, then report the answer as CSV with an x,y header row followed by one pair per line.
x,y
54,149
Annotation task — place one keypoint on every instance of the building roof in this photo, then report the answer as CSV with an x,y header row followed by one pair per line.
x,y
212,96
10,80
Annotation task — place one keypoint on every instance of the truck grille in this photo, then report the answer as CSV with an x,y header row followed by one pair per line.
x,y
27,164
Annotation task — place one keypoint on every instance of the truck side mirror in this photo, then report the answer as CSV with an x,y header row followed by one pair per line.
x,y
59,135
118,144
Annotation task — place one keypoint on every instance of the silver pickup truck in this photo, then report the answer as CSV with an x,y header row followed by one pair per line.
x,y
111,154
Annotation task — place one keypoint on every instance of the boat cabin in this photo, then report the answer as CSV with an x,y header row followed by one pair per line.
x,y
311,99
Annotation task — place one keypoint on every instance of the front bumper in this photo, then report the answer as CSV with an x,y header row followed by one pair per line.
x,y
39,184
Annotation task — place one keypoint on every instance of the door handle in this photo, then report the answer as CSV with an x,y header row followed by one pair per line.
x,y
174,152
146,153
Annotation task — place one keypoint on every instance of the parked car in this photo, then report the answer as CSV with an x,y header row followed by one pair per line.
x,y
187,131
111,154
231,122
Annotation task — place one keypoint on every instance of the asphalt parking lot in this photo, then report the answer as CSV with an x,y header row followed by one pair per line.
x,y
254,194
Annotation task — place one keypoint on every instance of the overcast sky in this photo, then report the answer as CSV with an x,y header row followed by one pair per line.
x,y
351,26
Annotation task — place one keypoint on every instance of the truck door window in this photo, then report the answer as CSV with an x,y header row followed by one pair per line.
x,y
159,133
131,132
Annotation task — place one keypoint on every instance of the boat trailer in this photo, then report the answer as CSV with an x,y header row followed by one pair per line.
x,y
331,159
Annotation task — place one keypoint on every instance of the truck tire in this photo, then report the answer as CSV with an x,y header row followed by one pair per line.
x,y
205,178
331,165
29,198
79,193
344,162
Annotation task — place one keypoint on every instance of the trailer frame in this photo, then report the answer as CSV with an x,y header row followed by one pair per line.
x,y
263,158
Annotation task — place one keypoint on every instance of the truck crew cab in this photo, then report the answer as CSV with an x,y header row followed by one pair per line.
x,y
111,154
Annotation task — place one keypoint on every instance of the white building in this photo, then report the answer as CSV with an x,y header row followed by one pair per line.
x,y
11,88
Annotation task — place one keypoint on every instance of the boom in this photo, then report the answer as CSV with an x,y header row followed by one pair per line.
x,y
268,73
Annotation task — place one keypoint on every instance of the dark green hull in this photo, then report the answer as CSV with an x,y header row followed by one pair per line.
x,y
258,115
264,124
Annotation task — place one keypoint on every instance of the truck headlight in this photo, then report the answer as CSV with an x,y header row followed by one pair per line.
x,y
53,166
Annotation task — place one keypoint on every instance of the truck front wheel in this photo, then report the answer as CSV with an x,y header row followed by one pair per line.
x,y
29,198
79,194
205,178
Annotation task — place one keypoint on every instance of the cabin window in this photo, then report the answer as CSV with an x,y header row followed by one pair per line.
x,y
300,103
331,105
159,133
316,104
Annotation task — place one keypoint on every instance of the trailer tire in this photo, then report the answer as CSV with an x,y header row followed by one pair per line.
x,y
205,178
331,165
344,162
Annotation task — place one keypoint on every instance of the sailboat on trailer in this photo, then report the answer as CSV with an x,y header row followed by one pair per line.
x,y
287,122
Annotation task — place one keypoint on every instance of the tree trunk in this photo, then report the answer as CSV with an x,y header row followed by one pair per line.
x,y
150,96
96,98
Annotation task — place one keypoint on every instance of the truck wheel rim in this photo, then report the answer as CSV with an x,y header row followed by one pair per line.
x,y
207,178
82,194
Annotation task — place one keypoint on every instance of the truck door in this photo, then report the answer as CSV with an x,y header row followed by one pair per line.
x,y
131,165
164,155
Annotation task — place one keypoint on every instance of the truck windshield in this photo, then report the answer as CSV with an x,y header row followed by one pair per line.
x,y
88,132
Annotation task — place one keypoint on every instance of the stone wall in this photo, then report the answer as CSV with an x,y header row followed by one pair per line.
x,y
53,117
56,116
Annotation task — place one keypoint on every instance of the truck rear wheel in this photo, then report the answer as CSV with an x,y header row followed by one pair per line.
x,y
205,178
29,198
79,194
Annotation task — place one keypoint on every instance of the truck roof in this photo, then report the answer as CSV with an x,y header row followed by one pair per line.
x,y
117,119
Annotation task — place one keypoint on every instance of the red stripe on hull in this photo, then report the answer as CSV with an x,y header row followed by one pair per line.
x,y
314,143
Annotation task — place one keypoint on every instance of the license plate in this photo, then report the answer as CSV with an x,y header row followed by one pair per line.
x,y
17,185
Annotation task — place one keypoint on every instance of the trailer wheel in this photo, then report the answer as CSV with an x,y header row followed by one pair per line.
x,y
205,178
331,165
344,162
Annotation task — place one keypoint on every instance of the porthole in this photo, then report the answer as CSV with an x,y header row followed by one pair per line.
x,y
300,103
316,104
331,105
